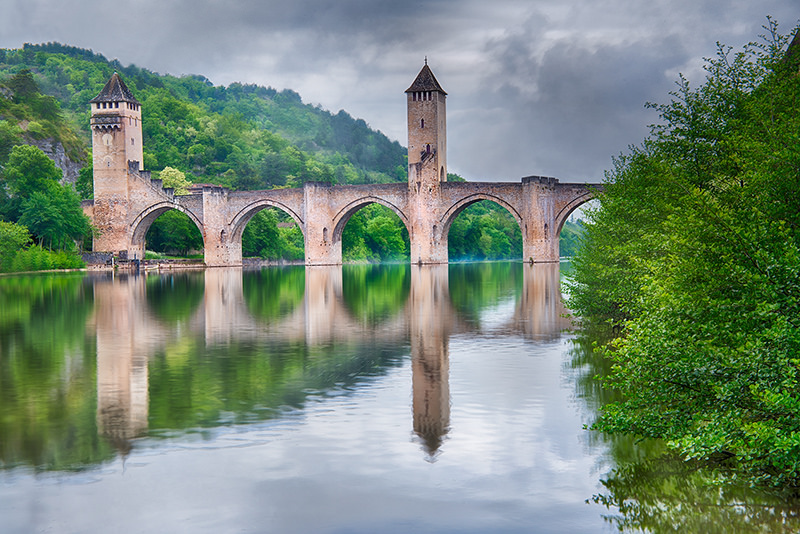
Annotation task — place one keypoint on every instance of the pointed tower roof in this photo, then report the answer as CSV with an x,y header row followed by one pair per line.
x,y
425,81
115,91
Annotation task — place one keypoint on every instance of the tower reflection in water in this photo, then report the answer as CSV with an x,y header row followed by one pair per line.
x,y
122,392
128,335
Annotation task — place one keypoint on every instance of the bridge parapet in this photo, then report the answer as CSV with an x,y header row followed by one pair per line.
x,y
543,180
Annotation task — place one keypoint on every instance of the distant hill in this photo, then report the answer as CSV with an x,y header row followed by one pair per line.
x,y
240,136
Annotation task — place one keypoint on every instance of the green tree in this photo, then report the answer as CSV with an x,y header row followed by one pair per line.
x,y
174,232
13,238
175,179
375,233
28,170
484,230
694,253
55,217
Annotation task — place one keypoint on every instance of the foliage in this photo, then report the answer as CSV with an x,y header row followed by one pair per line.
x,y
375,233
570,238
29,170
34,199
272,235
29,115
174,232
694,252
13,238
52,212
176,180
484,231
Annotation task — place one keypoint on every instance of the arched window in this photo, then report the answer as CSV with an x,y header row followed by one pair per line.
x,y
422,123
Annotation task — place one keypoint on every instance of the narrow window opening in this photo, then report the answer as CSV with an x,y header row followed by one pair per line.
x,y
428,149
422,123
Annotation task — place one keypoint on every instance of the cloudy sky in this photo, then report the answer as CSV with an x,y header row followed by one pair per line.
x,y
547,87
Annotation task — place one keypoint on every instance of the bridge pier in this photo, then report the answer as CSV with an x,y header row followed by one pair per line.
x,y
322,246
222,248
428,246
539,225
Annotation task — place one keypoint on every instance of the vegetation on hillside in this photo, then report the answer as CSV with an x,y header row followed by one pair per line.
x,y
693,254
240,136
36,207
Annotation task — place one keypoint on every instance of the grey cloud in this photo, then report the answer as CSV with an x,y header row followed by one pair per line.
x,y
536,86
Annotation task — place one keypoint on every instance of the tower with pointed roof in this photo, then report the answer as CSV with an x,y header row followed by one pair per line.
x,y
427,132
116,148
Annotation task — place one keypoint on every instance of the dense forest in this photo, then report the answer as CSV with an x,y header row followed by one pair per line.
x,y
693,256
244,137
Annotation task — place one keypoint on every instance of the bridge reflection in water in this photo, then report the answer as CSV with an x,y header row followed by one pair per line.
x,y
129,333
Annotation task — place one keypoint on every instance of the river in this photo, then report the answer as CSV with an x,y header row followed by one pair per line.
x,y
355,399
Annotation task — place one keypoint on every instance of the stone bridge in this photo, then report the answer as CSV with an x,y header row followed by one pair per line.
x,y
539,205
126,201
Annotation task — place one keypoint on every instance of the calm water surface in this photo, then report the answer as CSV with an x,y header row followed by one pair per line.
x,y
331,400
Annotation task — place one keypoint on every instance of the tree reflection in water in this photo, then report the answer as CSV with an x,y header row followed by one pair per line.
x,y
651,490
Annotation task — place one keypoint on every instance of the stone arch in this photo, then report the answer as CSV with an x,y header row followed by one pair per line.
x,y
455,210
141,224
244,215
564,213
343,216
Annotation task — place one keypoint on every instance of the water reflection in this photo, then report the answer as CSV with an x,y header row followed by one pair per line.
x,y
431,319
307,376
160,321
122,337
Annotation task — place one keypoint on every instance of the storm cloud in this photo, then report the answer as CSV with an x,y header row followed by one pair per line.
x,y
549,87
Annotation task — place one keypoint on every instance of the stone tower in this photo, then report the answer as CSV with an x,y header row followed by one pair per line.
x,y
427,167
116,147
427,132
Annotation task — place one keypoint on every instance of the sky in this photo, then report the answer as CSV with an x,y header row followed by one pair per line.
x,y
535,87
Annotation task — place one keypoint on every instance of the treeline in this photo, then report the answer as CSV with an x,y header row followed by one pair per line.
x,y
694,256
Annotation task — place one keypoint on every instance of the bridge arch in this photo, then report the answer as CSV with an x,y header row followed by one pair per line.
x,y
240,220
343,216
142,223
564,213
455,210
